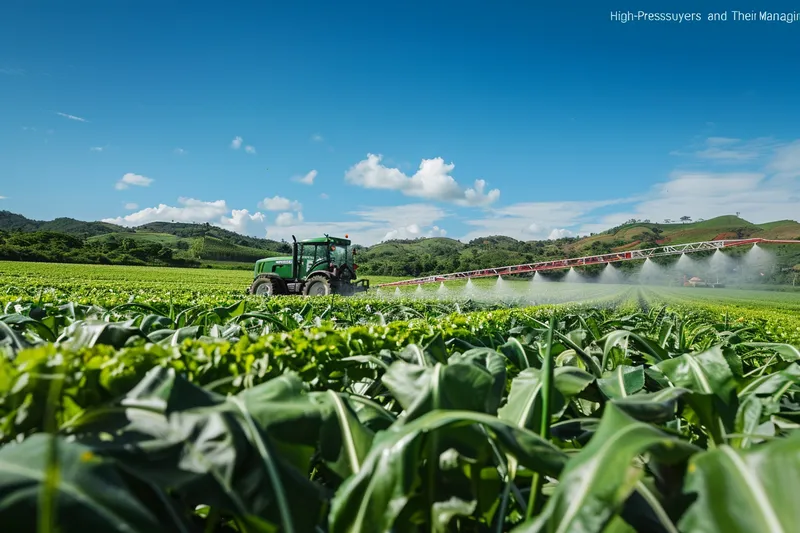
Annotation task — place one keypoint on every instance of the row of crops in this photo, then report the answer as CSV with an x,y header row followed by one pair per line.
x,y
640,410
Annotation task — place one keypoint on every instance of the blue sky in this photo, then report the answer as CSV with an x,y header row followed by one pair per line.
x,y
570,122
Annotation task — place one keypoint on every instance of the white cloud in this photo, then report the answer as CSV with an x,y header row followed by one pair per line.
x,y
721,141
288,219
179,151
131,206
237,142
96,149
240,220
279,203
764,190
324,196
2,197
432,181
191,210
730,150
706,195
371,225
760,193
366,226
28,128
537,220
72,117
560,234
786,163
12,71
133,179
413,231
317,138
308,179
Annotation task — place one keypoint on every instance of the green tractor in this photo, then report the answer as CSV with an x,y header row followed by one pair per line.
x,y
317,267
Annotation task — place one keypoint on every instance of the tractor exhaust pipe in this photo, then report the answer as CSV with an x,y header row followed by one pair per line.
x,y
294,257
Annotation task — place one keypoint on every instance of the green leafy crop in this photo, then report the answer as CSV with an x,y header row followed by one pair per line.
x,y
646,411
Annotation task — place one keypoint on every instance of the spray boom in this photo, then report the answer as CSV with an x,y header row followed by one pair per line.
x,y
560,264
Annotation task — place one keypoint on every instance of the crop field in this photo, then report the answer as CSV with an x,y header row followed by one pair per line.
x,y
165,400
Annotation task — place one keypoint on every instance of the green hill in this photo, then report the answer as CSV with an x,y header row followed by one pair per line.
x,y
426,256
185,230
66,239
214,249
647,235
160,243
14,222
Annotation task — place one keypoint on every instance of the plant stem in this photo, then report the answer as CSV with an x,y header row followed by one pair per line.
x,y
547,395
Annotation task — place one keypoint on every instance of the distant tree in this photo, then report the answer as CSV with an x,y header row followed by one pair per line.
x,y
686,219
646,237
667,221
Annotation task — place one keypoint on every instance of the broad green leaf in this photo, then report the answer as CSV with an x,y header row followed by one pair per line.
x,y
231,311
758,400
656,407
154,322
786,351
210,449
650,350
523,407
374,498
777,383
495,364
11,338
89,334
89,493
571,380
348,445
419,389
622,381
517,354
745,491
704,373
437,348
598,480
23,322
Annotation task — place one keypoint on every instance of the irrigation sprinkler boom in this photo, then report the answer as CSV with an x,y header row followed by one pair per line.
x,y
673,249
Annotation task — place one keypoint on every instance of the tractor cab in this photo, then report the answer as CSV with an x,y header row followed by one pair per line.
x,y
318,266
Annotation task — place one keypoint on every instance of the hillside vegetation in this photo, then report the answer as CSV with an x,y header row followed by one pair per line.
x,y
422,257
66,240
183,244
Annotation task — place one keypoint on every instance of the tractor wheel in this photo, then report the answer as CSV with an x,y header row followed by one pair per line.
x,y
318,286
264,286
